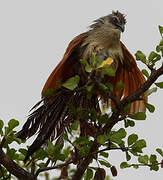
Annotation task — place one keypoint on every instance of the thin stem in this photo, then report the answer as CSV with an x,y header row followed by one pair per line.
x,y
53,167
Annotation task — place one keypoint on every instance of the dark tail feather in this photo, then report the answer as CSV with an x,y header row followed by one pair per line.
x,y
53,117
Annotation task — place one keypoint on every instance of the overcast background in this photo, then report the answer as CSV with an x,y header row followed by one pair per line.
x,y
33,38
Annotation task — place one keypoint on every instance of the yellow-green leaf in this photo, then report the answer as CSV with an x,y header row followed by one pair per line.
x,y
71,83
160,84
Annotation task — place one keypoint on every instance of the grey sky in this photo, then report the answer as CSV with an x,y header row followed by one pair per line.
x,y
34,36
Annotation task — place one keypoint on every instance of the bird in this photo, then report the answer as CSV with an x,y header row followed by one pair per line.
x,y
51,116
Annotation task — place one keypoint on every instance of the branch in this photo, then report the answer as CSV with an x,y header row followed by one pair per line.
x,y
2,142
13,168
146,164
108,148
152,78
87,160
114,119
53,167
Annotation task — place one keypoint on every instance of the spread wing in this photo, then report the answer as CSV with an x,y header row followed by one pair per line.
x,y
132,77
64,69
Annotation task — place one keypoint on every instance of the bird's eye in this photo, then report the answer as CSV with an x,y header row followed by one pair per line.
x,y
115,20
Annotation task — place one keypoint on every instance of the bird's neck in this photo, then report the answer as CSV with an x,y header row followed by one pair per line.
x,y
107,37
103,38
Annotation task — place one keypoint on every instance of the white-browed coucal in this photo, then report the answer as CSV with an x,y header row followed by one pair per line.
x,y
102,39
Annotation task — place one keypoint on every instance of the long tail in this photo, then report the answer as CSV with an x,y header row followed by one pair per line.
x,y
53,117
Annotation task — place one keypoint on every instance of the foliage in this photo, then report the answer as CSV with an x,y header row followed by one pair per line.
x,y
72,148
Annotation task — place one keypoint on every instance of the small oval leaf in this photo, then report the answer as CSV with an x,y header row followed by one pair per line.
x,y
160,84
150,107
138,116
120,86
143,159
160,151
71,83
132,138
145,72
150,91
141,56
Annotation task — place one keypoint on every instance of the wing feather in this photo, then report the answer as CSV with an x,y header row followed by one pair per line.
x,y
59,72
132,77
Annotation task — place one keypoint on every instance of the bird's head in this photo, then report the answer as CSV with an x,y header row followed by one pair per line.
x,y
116,20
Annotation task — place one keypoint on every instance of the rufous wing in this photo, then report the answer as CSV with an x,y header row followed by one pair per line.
x,y
129,73
63,70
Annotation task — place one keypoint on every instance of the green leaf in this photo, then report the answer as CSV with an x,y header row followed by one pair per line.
x,y
161,43
49,92
12,153
41,165
117,136
161,30
135,166
93,59
40,154
134,152
101,139
153,159
132,139
23,151
158,48
66,151
82,140
108,71
110,86
124,165
138,116
150,91
141,56
13,123
54,150
106,164
71,83
126,108
143,159
160,84
154,57
102,87
145,72
107,178
50,148
1,126
150,107
103,119
65,137
128,157
89,174
88,68
121,133
160,151
9,139
93,114
20,157
90,87
154,167
59,156
104,154
131,123
75,125
112,145
84,150
138,146
120,86
126,123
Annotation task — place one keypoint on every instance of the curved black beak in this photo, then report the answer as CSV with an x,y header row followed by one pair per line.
x,y
121,27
